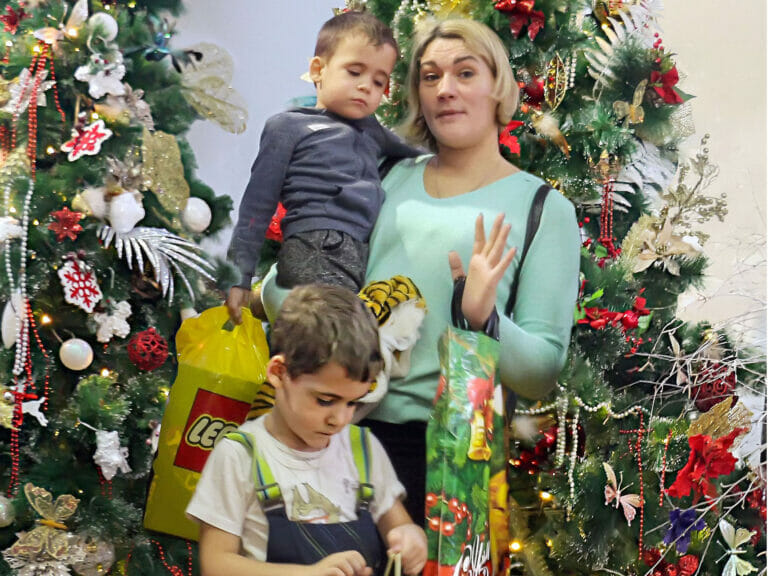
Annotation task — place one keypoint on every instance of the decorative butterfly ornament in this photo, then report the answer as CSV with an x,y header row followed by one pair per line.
x,y
628,502
735,566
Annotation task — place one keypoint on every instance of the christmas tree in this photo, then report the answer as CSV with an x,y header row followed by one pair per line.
x,y
101,221
629,467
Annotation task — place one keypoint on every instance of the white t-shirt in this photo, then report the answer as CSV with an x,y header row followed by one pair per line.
x,y
318,487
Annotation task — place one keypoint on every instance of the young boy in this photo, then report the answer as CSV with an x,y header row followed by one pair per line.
x,y
322,164
298,491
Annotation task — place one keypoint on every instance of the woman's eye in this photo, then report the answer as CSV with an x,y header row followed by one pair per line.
x,y
466,73
353,72
378,83
353,403
429,77
324,402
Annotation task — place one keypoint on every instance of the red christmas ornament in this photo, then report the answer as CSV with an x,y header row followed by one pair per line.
x,y
534,91
12,18
148,350
687,565
66,225
275,229
714,384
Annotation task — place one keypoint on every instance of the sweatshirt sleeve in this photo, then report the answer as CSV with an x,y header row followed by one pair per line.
x,y
390,144
261,196
534,342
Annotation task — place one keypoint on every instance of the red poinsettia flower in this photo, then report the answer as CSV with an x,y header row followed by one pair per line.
x,y
520,13
12,18
506,138
708,459
275,230
663,85
66,224
639,306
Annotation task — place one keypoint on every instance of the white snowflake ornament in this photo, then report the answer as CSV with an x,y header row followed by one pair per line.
x,y
80,285
114,324
86,141
21,90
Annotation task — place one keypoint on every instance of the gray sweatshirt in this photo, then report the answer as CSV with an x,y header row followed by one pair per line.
x,y
324,169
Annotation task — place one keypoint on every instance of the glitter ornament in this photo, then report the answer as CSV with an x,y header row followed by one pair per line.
x,y
7,512
76,354
197,215
148,350
99,557
66,224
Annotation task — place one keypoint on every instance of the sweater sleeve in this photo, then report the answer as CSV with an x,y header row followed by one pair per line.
x,y
261,196
534,342
390,144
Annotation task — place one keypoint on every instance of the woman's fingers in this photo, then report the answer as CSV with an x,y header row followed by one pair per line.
x,y
457,268
479,244
494,234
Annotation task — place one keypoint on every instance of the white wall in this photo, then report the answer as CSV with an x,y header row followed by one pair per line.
x,y
721,48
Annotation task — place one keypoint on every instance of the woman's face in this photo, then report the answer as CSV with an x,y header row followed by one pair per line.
x,y
455,91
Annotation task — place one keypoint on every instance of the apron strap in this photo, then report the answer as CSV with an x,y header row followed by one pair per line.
x,y
359,439
267,490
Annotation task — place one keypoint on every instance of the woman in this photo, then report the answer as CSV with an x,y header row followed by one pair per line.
x,y
462,92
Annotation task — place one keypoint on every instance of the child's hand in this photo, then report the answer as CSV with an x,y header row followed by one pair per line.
x,y
349,563
411,541
236,299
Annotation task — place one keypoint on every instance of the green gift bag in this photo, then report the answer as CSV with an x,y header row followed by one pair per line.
x,y
466,520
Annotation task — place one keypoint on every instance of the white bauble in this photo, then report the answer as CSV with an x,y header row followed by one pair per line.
x,y
125,211
7,512
107,25
11,321
76,354
187,313
197,215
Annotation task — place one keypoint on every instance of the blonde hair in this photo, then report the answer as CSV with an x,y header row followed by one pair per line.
x,y
480,40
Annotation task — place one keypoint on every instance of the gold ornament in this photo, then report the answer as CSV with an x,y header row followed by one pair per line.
x,y
49,539
547,125
656,246
721,419
163,171
452,8
124,176
556,83
632,113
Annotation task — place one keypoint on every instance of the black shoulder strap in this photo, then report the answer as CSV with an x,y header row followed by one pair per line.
x,y
386,165
534,218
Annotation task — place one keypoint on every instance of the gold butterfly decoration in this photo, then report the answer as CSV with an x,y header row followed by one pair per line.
x,y
77,17
632,113
50,537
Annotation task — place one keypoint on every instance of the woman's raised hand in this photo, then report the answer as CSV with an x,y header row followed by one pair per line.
x,y
486,267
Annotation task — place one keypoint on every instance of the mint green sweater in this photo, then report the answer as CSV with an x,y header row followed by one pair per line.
x,y
412,237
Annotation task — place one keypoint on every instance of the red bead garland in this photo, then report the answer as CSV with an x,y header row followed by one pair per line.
x,y
175,570
148,350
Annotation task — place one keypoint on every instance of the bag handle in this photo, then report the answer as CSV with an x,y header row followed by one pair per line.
x,y
394,565
491,327
534,219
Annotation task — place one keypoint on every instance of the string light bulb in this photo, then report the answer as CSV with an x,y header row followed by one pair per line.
x,y
50,150
45,319
72,32
515,546
545,496
105,372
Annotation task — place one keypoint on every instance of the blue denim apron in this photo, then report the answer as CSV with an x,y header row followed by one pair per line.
x,y
292,542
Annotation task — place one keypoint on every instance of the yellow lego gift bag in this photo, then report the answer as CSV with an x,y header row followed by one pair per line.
x,y
220,372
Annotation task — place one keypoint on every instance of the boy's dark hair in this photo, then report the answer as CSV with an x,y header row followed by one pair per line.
x,y
352,22
318,324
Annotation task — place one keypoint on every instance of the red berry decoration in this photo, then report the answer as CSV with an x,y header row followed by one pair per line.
x,y
688,564
148,350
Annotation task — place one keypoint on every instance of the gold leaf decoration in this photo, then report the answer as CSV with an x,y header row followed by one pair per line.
x,y
721,419
556,83
163,171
